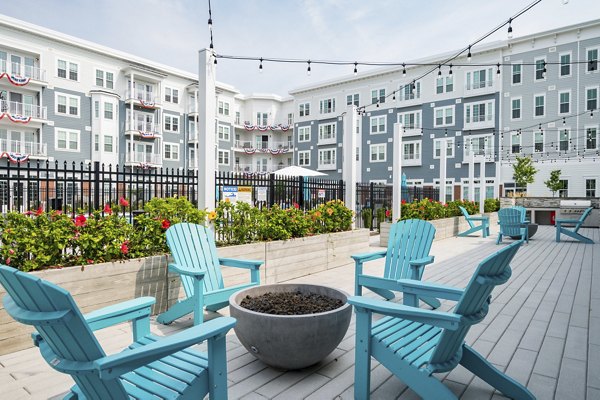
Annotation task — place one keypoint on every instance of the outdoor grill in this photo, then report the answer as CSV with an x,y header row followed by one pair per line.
x,y
573,209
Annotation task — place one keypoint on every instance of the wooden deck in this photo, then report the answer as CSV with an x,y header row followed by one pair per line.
x,y
543,328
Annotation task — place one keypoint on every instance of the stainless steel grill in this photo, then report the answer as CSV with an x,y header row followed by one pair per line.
x,y
573,209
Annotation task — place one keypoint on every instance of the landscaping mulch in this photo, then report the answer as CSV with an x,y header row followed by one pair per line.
x,y
290,303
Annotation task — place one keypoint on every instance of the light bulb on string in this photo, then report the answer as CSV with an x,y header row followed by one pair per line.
x,y
209,22
592,113
498,70
394,95
450,71
308,68
544,70
439,70
355,68
260,67
403,70
215,60
564,121
510,30
377,104
469,54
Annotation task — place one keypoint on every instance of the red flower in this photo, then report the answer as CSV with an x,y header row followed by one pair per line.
x,y
8,261
166,224
387,213
296,205
403,201
11,252
124,247
89,261
123,202
28,212
39,211
80,220
107,209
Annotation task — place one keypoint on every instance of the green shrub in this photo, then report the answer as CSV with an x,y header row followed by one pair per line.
x,y
491,205
367,217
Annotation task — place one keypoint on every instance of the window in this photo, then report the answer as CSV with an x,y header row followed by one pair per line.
x,y
591,138
516,74
480,79
378,124
304,134
96,142
262,119
439,85
223,157
224,108
171,123
479,112
224,133
444,116
378,95
378,152
515,143
538,142
437,147
327,159
104,79
96,109
238,118
591,98
481,145
108,110
304,158
108,143
592,60
540,69
565,65
327,133
515,105
172,151
67,105
564,192
539,102
444,84
449,84
410,91
563,140
171,95
564,102
327,106
67,140
67,70
590,188
290,118
304,109
353,99
410,120
412,153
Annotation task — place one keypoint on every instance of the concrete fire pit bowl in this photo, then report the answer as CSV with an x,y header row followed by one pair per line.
x,y
290,341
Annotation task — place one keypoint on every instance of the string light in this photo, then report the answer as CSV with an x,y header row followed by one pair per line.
x,y
403,70
439,70
544,70
469,54
355,68
308,68
260,67
498,70
450,72
510,30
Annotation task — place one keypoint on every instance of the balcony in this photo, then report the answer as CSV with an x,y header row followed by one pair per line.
x,y
143,159
479,122
21,75
33,149
142,130
477,88
271,147
192,110
143,98
21,112
412,130
255,169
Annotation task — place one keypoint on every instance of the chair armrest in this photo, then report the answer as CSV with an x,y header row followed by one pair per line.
x,y
248,264
420,262
420,288
566,221
184,270
122,312
479,218
364,257
436,318
113,366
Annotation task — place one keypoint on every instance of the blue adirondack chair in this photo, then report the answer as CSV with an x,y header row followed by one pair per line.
x,y
196,261
406,256
560,228
511,224
484,227
151,367
414,343
523,212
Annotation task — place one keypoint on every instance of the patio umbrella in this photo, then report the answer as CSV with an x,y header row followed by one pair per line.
x,y
294,170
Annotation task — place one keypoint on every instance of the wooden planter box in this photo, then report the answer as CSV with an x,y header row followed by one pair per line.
x,y
100,285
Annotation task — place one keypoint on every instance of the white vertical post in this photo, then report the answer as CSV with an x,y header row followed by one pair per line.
x,y
471,176
349,158
482,185
206,113
443,157
397,172
131,120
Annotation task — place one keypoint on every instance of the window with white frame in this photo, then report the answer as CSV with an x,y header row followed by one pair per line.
x,y
539,102
377,96
538,142
238,118
444,84
378,152
304,109
171,151
105,79
590,187
96,142
515,143
327,158
96,109
262,119
327,106
67,105
223,157
480,145
66,139
68,70
540,68
378,124
410,120
290,119
224,108
591,99
564,136
304,158
224,132
516,74
411,91
479,112
564,102
171,123
515,107
437,147
449,187
591,138
444,116
353,99
108,110
564,192
171,95
327,133
480,79
411,154
565,65
108,144
304,134
592,59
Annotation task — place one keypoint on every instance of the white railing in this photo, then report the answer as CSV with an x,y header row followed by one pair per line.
x,y
22,70
281,145
18,146
25,110
250,168
143,95
479,84
243,144
480,121
142,127
143,157
247,144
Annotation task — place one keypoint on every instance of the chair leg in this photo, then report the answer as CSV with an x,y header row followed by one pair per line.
x,y
216,307
481,367
499,240
558,233
577,236
176,311
362,364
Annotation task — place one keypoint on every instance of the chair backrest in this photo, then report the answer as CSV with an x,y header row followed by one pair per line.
x,y
467,216
473,306
193,246
583,217
523,212
510,221
65,334
409,240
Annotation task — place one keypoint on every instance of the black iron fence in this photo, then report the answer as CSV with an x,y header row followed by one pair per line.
x,y
268,189
72,187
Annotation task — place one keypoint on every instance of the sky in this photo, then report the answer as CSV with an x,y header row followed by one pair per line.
x,y
171,32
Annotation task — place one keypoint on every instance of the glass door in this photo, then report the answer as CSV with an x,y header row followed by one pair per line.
x,y
15,65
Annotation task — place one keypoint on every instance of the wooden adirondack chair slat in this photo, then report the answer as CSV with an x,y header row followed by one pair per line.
x,y
511,221
484,225
573,233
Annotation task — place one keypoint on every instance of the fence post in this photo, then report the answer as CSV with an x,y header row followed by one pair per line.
x,y
271,190
341,191
301,192
96,185
371,204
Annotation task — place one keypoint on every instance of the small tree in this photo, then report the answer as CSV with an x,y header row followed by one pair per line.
x,y
523,171
554,183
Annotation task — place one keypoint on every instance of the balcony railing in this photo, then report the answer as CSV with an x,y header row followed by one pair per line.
x,y
143,96
480,121
18,146
479,84
246,144
22,109
22,70
143,128
143,157
251,168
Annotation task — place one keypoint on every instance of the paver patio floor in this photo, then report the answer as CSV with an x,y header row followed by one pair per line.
x,y
543,329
